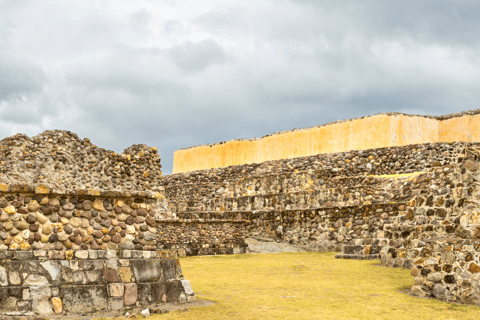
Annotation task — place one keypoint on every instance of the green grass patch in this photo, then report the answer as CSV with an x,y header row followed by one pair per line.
x,y
306,286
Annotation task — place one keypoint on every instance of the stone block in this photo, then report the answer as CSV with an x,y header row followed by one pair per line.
x,y
15,292
173,290
187,287
125,274
168,266
131,294
116,303
159,292
145,293
94,276
56,255
147,270
41,299
84,299
3,277
24,306
57,305
116,289
111,275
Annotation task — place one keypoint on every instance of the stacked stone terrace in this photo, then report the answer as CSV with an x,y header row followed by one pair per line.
x,y
413,206
78,228
320,202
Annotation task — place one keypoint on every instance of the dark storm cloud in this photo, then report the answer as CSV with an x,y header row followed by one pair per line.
x,y
174,74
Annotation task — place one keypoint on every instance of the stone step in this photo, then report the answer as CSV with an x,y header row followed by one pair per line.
x,y
362,249
357,256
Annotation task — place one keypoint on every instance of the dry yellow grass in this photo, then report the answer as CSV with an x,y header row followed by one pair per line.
x,y
306,286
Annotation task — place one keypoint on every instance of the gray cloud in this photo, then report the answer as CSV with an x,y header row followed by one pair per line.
x,y
181,73
195,57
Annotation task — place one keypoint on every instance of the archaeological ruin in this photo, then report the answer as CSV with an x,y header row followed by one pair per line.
x,y
78,229
400,188
83,229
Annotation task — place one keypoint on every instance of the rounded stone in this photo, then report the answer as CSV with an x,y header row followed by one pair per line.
x,y
8,225
106,223
130,220
68,229
116,238
62,237
21,225
68,244
33,206
10,210
34,227
53,238
46,210
31,218
75,222
47,229
87,205
68,206
44,238
94,245
54,202
78,240
86,215
22,210
98,205
87,239
85,223
40,218
37,236
97,234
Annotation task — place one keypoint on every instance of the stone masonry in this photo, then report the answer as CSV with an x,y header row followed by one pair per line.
x,y
78,228
411,206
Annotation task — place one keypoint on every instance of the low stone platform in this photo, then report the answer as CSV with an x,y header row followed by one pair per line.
x,y
79,282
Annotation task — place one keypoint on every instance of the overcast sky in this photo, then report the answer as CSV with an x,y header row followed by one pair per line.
x,y
174,74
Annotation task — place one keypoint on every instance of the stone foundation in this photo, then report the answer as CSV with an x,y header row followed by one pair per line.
x,y
79,282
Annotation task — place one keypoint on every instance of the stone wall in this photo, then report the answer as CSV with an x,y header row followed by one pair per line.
x,y
377,131
30,221
78,228
413,207
321,202
87,281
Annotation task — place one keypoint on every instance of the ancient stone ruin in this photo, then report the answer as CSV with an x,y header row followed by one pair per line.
x,y
414,204
83,229
78,231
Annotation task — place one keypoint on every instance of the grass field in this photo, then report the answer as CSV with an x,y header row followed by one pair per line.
x,y
306,286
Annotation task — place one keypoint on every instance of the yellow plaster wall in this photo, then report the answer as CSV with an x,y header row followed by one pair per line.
x,y
370,132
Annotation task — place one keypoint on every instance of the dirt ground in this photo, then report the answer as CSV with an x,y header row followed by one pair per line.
x,y
261,245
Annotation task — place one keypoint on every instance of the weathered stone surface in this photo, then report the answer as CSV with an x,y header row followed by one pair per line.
x,y
111,275
116,303
471,165
57,305
131,292
116,289
147,270
83,299
125,274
